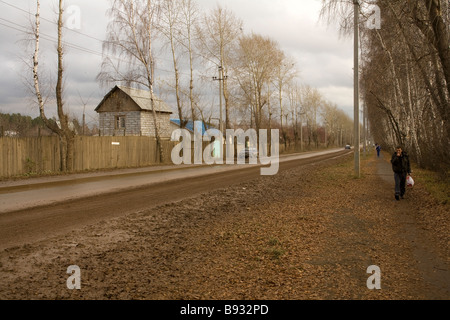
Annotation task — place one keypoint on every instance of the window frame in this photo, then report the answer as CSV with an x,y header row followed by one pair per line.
x,y
120,122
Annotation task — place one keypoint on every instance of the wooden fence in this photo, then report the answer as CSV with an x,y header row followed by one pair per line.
x,y
26,155
20,156
117,152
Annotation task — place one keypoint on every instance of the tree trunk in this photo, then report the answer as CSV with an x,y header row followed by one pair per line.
x,y
150,77
441,44
226,98
191,81
67,164
66,136
51,125
171,20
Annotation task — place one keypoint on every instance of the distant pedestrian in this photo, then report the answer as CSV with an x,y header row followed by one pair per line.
x,y
402,169
378,147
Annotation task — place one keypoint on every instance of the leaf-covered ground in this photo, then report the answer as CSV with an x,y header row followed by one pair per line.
x,y
307,233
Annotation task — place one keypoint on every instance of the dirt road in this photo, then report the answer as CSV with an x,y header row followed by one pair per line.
x,y
309,232
115,196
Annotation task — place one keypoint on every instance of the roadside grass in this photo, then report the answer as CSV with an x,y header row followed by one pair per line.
x,y
275,251
299,149
342,172
437,187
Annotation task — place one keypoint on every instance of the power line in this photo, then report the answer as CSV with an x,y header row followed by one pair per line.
x,y
47,37
71,45
68,44
48,20
75,31
11,22
10,27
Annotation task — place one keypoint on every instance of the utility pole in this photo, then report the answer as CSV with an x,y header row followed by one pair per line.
x,y
220,79
301,133
301,127
84,118
357,129
84,111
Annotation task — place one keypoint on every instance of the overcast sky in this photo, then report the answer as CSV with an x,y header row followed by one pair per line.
x,y
325,61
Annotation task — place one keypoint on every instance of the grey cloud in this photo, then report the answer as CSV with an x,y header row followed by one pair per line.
x,y
324,60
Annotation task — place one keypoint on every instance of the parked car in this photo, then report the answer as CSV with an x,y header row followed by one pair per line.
x,y
348,146
248,153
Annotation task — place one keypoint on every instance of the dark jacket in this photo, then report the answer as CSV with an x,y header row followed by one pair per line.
x,y
401,164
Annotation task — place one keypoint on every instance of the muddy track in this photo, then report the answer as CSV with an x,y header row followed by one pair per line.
x,y
34,224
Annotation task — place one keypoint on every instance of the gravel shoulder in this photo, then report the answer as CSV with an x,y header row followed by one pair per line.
x,y
306,233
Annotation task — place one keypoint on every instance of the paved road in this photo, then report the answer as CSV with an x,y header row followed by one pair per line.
x,y
32,212
19,195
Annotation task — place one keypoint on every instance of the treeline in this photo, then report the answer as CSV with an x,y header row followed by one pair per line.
x,y
197,53
17,125
405,77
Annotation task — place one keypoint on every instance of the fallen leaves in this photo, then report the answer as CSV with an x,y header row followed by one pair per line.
x,y
291,236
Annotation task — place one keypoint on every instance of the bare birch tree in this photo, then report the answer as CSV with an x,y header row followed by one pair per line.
x,y
189,20
170,27
218,35
130,36
285,73
312,101
64,132
258,60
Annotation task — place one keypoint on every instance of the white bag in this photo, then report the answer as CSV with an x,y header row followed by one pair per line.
x,y
410,181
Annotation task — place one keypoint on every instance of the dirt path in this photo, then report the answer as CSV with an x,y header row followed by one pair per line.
x,y
308,233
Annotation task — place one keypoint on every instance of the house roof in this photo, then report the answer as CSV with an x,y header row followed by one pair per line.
x,y
141,98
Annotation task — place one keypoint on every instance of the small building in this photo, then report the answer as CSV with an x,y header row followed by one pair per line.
x,y
127,111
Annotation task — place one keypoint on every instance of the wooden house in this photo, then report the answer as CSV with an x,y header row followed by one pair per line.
x,y
127,111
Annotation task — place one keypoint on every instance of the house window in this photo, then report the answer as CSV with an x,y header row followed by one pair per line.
x,y
120,122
